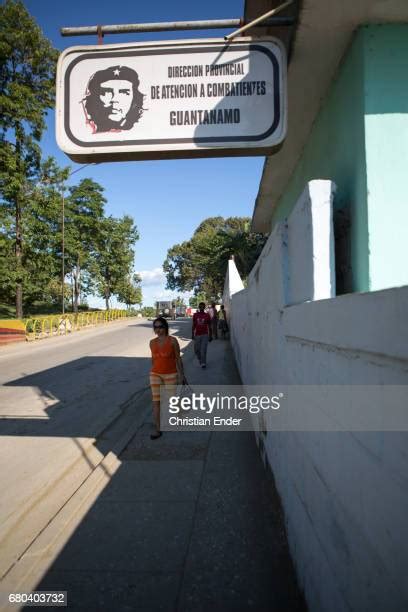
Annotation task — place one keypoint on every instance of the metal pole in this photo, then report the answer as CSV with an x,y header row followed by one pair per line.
x,y
63,253
258,20
172,25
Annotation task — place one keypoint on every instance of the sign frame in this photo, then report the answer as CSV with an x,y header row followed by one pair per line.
x,y
121,149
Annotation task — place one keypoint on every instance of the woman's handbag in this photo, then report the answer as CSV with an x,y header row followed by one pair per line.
x,y
185,391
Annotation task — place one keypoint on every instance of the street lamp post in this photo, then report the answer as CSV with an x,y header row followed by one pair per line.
x,y
63,252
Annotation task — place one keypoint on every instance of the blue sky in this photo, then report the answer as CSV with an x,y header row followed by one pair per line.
x,y
167,199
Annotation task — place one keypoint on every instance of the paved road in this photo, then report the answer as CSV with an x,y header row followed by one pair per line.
x,y
57,399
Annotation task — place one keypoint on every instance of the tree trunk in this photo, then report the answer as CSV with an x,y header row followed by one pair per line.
x,y
107,295
76,275
107,289
79,289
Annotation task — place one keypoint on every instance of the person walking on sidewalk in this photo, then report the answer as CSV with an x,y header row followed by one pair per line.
x,y
212,311
167,367
222,323
201,334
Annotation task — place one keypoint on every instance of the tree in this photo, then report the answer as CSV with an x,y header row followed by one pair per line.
x,y
84,224
200,264
7,259
196,299
42,256
129,290
148,311
27,90
114,255
41,228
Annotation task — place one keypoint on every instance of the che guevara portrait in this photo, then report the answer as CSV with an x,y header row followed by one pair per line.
x,y
112,100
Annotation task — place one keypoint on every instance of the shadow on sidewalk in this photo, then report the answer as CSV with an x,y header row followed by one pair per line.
x,y
190,522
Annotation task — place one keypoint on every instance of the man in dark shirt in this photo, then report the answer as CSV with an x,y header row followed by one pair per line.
x,y
201,334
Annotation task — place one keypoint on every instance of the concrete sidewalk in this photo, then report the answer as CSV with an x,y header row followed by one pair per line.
x,y
189,522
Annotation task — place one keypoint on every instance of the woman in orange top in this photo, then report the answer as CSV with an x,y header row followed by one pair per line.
x,y
167,367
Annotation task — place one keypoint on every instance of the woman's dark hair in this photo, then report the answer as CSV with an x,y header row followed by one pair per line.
x,y
163,321
94,108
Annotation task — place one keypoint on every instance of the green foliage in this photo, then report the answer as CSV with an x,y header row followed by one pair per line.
x,y
179,301
114,255
7,311
27,91
84,211
148,311
7,261
129,291
27,65
84,217
40,225
196,299
98,250
200,264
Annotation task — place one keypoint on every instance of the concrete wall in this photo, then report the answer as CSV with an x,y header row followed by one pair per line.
x,y
344,494
360,141
336,151
386,134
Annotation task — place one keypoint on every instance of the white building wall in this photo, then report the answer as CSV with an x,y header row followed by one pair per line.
x,y
345,494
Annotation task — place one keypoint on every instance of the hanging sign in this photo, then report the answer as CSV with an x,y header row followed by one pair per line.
x,y
171,99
